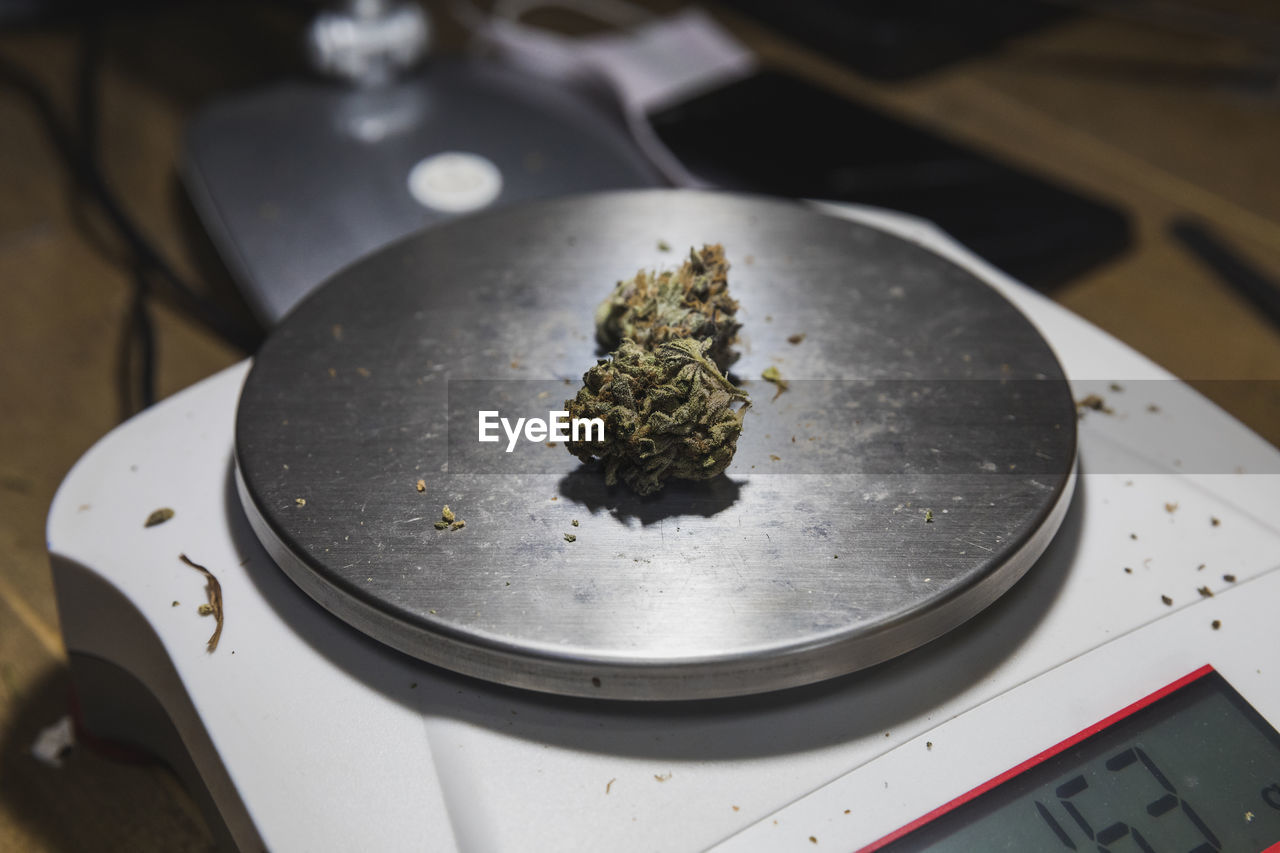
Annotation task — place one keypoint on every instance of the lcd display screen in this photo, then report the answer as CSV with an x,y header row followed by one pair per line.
x,y
1191,769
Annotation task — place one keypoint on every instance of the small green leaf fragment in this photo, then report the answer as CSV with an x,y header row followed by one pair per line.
x,y
771,374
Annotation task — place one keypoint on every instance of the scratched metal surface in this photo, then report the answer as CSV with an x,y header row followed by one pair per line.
x,y
916,393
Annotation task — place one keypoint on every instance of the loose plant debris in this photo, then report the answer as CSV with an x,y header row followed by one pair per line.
x,y
160,516
213,590
771,374
1094,402
449,520
569,537
797,338
421,485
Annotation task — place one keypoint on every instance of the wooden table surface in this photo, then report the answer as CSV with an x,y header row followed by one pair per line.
x,y
1065,102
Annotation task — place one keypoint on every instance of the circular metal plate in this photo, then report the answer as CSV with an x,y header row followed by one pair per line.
x,y
917,464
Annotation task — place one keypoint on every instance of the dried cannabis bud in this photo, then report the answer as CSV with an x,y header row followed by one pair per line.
x,y
692,302
668,414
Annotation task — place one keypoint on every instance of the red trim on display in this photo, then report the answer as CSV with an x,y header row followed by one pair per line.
x,y
1045,756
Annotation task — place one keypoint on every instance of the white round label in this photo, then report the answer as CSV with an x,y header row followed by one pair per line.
x,y
455,181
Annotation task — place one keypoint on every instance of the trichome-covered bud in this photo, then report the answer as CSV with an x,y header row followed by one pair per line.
x,y
668,414
692,302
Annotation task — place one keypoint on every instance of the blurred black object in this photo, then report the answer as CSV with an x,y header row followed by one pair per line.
x,y
776,134
295,181
1208,248
894,39
24,13
31,11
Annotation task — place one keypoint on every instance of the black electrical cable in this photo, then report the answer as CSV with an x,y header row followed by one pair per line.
x,y
85,172
138,368
87,62
144,253
143,330
16,78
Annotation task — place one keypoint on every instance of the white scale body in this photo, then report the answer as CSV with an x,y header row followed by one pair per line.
x,y
309,736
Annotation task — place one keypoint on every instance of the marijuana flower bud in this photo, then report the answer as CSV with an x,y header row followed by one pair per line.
x,y
668,414
692,302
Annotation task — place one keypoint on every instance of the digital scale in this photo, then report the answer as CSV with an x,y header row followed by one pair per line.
x,y
926,607
296,181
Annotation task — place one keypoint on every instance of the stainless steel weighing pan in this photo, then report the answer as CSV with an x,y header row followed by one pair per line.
x,y
919,462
